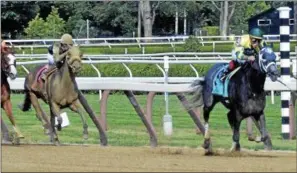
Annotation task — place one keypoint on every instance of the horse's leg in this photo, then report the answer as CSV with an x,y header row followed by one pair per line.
x,y
76,107
8,109
54,108
5,132
265,138
234,121
207,142
40,114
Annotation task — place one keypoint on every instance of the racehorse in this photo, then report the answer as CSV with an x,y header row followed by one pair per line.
x,y
245,96
60,91
8,69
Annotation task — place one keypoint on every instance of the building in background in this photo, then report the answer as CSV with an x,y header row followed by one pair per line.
x,y
269,21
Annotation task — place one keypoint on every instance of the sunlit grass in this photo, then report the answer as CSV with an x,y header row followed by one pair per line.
x,y
126,129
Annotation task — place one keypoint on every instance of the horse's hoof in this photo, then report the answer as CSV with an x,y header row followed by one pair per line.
x,y
57,142
207,143
59,127
251,138
267,144
85,136
208,152
47,131
235,147
258,139
16,141
21,136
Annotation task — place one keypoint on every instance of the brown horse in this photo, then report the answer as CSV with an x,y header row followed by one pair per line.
x,y
60,91
8,69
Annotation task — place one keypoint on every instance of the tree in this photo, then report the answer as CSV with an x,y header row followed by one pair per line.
x,y
117,17
36,28
245,10
16,15
148,11
55,26
80,29
226,10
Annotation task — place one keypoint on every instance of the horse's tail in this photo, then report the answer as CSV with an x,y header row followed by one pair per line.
x,y
27,102
197,99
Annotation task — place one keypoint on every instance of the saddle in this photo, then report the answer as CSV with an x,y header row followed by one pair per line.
x,y
220,87
41,74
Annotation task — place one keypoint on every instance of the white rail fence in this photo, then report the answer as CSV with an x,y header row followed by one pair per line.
x,y
175,84
140,41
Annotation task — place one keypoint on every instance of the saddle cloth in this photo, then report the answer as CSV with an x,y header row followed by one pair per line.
x,y
40,72
220,87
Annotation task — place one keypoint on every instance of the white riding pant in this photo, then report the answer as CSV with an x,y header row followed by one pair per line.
x,y
50,59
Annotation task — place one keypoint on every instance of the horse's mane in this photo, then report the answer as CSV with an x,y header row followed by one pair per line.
x,y
74,50
4,60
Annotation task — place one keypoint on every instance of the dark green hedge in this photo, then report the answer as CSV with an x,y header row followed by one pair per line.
x,y
143,69
148,49
138,70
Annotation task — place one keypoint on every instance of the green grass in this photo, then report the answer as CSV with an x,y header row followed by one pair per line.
x,y
126,129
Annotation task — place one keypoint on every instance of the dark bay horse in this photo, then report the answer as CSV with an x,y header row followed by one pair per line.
x,y
61,92
8,69
246,96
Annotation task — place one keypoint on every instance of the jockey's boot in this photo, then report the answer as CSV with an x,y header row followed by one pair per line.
x,y
232,65
48,72
34,86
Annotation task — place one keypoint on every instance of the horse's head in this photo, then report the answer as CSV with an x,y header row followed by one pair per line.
x,y
73,58
267,63
8,63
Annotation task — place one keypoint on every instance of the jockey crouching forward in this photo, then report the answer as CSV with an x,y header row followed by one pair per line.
x,y
56,54
246,49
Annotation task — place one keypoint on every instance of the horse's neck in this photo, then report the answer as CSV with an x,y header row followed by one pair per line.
x,y
256,80
68,78
3,77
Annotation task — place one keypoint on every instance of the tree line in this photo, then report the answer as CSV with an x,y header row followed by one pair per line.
x,y
128,18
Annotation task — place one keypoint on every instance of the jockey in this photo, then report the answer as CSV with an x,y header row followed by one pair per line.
x,y
56,53
246,48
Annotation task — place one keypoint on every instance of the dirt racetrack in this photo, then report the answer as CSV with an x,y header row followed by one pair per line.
x,y
93,158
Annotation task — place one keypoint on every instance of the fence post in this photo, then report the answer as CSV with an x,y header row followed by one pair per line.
x,y
294,65
292,115
284,31
293,101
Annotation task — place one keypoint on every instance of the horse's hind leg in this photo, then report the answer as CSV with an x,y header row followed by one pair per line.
x,y
5,133
207,141
8,109
235,125
76,107
40,114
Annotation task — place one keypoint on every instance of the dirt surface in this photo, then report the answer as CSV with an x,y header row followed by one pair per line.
x,y
32,158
